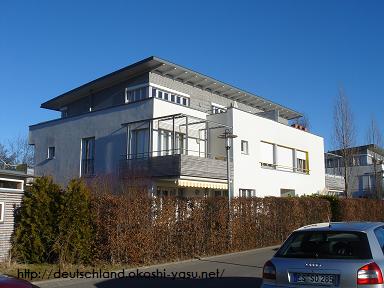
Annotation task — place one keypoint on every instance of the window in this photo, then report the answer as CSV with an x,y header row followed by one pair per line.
x,y
266,154
379,232
287,192
11,184
326,245
180,143
137,94
301,161
244,147
247,192
216,108
164,142
218,193
140,143
285,158
2,211
168,96
51,152
87,156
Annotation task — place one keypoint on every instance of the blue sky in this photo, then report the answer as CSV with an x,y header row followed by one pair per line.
x,y
296,53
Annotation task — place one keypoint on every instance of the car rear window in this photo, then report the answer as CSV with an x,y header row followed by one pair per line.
x,y
326,245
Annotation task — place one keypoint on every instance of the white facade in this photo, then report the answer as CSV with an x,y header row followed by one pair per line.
x,y
250,174
120,121
269,181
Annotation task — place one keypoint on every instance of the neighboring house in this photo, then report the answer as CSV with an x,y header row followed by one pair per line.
x,y
162,121
334,180
365,162
12,183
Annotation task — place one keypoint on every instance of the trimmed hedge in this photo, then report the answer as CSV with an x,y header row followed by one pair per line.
x,y
121,224
141,230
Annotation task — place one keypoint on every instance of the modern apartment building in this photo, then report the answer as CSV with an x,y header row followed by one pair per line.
x,y
163,122
366,169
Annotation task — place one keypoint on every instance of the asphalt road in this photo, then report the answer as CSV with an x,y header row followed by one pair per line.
x,y
242,269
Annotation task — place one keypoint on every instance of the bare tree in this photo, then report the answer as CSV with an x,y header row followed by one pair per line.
x,y
374,137
6,158
22,151
344,135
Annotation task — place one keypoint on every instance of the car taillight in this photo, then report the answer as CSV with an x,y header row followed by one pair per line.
x,y
369,274
269,271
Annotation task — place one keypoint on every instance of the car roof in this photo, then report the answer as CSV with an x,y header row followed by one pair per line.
x,y
358,226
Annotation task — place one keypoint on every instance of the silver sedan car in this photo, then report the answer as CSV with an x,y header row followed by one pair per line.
x,y
343,254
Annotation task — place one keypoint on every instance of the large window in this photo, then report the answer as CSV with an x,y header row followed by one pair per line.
x,y
140,143
2,211
283,158
87,156
137,94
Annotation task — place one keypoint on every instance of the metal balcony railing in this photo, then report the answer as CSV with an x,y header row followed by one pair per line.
x,y
174,165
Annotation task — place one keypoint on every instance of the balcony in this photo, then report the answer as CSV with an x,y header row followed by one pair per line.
x,y
21,168
174,166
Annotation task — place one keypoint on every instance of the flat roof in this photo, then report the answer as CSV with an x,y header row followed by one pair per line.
x,y
173,71
359,149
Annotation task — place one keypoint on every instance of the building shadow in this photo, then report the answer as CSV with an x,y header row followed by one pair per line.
x,y
224,282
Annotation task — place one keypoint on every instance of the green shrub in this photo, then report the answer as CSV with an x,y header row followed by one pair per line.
x,y
36,223
74,240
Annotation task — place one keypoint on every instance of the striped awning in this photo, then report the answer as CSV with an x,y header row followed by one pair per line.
x,y
202,184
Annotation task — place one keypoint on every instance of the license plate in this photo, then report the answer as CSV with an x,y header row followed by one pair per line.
x,y
317,279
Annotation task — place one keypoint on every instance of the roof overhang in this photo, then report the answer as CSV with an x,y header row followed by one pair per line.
x,y
176,72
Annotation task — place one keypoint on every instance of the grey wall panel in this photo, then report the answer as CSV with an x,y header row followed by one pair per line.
x,y
66,134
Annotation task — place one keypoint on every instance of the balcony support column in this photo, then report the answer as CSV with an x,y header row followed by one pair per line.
x,y
173,136
186,135
150,140
207,141
128,147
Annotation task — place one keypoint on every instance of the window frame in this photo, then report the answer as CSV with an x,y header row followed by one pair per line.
x,y
248,192
377,238
170,96
136,93
2,212
49,152
246,151
217,108
84,172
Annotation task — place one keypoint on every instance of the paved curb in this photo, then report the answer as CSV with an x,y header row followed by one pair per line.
x,y
60,282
